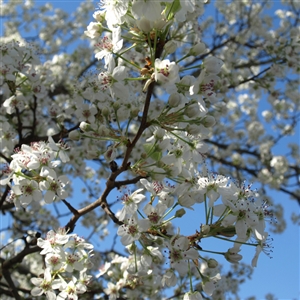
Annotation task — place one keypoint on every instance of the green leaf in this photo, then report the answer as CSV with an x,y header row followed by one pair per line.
x,y
172,8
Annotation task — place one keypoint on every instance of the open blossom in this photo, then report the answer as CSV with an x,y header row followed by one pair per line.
x,y
260,247
130,203
28,191
53,185
169,278
112,290
113,80
155,213
108,46
115,10
44,286
71,289
14,102
210,185
86,112
60,148
35,156
132,229
166,72
180,252
53,242
185,7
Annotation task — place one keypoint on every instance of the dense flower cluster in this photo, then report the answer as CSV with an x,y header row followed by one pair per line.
x,y
67,259
150,119
32,173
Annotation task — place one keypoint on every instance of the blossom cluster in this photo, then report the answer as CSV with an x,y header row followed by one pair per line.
x,y
67,259
32,172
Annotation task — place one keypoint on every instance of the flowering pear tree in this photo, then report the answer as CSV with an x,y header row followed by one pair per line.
x,y
113,132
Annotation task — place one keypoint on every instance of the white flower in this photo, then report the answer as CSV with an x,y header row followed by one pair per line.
x,y
108,46
59,147
185,7
103,269
169,278
280,164
192,296
210,185
198,49
151,10
232,255
29,190
132,229
73,262
155,213
204,84
13,103
94,30
212,64
9,171
7,137
71,289
114,80
112,291
210,285
166,72
54,261
53,185
180,252
259,247
43,286
53,242
115,10
86,112
130,203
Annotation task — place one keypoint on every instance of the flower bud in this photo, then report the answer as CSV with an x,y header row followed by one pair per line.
x,y
74,135
134,112
209,121
192,111
213,65
144,25
84,126
170,46
179,213
232,256
116,105
99,15
159,133
205,229
198,49
212,263
105,111
174,99
94,30
193,129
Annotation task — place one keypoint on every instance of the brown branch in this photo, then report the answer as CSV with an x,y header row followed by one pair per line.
x,y
3,197
118,184
13,289
70,207
101,201
7,264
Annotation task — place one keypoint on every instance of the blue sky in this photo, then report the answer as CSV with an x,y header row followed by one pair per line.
x,y
279,275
